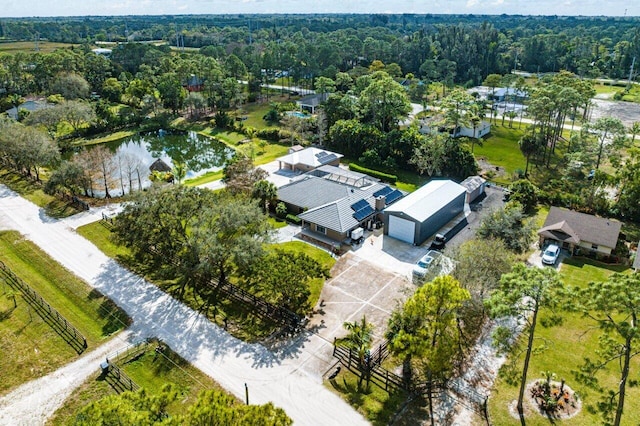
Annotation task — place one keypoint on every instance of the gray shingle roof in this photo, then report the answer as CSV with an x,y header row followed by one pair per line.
x,y
586,227
337,215
311,192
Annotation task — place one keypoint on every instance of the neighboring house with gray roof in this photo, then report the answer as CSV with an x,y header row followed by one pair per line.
x,y
311,102
309,159
573,230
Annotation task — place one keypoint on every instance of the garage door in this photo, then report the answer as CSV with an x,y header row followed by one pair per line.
x,y
401,229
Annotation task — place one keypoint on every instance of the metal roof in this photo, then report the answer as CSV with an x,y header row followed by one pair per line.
x,y
427,200
472,183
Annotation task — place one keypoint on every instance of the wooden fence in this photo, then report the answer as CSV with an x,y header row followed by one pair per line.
x,y
52,317
118,380
292,321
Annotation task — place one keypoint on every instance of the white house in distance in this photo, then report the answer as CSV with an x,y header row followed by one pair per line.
x,y
308,159
429,125
422,213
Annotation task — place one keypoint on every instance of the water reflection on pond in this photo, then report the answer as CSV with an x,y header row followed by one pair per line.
x,y
200,153
129,167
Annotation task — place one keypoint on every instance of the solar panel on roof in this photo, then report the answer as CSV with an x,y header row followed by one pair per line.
x,y
327,158
363,213
321,154
383,191
359,205
394,196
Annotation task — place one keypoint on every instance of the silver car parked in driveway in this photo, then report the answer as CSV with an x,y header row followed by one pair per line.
x,y
551,254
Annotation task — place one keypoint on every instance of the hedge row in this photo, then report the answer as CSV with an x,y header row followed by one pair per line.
x,y
273,135
293,219
374,173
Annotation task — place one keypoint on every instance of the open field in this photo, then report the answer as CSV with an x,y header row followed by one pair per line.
x,y
31,348
567,344
30,46
151,371
501,149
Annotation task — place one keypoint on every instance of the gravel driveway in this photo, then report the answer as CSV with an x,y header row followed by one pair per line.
x,y
281,378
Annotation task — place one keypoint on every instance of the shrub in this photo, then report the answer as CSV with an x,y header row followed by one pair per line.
x,y
374,173
281,210
293,219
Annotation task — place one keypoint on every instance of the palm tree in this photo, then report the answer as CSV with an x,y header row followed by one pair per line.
x,y
359,340
266,191
179,171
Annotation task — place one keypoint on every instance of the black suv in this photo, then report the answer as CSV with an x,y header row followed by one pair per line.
x,y
438,242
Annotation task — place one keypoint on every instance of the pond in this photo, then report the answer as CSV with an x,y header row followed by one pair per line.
x,y
199,153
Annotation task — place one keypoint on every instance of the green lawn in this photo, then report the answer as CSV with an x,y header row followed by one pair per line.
x,y
30,347
567,345
151,371
501,149
375,404
33,192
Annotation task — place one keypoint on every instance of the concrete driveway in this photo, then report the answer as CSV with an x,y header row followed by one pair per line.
x,y
359,287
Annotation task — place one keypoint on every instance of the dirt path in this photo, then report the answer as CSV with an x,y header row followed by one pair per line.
x,y
33,402
285,378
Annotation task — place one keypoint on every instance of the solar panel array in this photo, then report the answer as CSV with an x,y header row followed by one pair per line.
x,y
359,205
363,213
393,196
383,191
325,157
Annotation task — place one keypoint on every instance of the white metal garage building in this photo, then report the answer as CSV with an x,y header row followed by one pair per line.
x,y
422,213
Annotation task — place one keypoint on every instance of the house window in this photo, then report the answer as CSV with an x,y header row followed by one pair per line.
x,y
321,229
594,247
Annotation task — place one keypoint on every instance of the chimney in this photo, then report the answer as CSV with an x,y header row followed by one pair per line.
x,y
380,202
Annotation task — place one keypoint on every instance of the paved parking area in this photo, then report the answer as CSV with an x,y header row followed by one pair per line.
x,y
358,287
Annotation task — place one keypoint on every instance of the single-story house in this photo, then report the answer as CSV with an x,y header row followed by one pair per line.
x,y
101,51
194,84
474,186
358,207
428,126
311,102
510,94
309,159
422,213
332,202
573,230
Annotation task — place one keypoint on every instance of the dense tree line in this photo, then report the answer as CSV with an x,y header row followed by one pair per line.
x,y
457,48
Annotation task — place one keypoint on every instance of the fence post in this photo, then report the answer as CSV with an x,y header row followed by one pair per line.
x,y
486,410
349,366
386,382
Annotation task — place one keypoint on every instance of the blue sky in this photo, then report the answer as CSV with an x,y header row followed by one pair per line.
x,y
19,8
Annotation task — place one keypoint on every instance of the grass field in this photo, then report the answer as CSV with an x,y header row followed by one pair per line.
x,y
501,149
151,371
29,46
30,347
567,345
